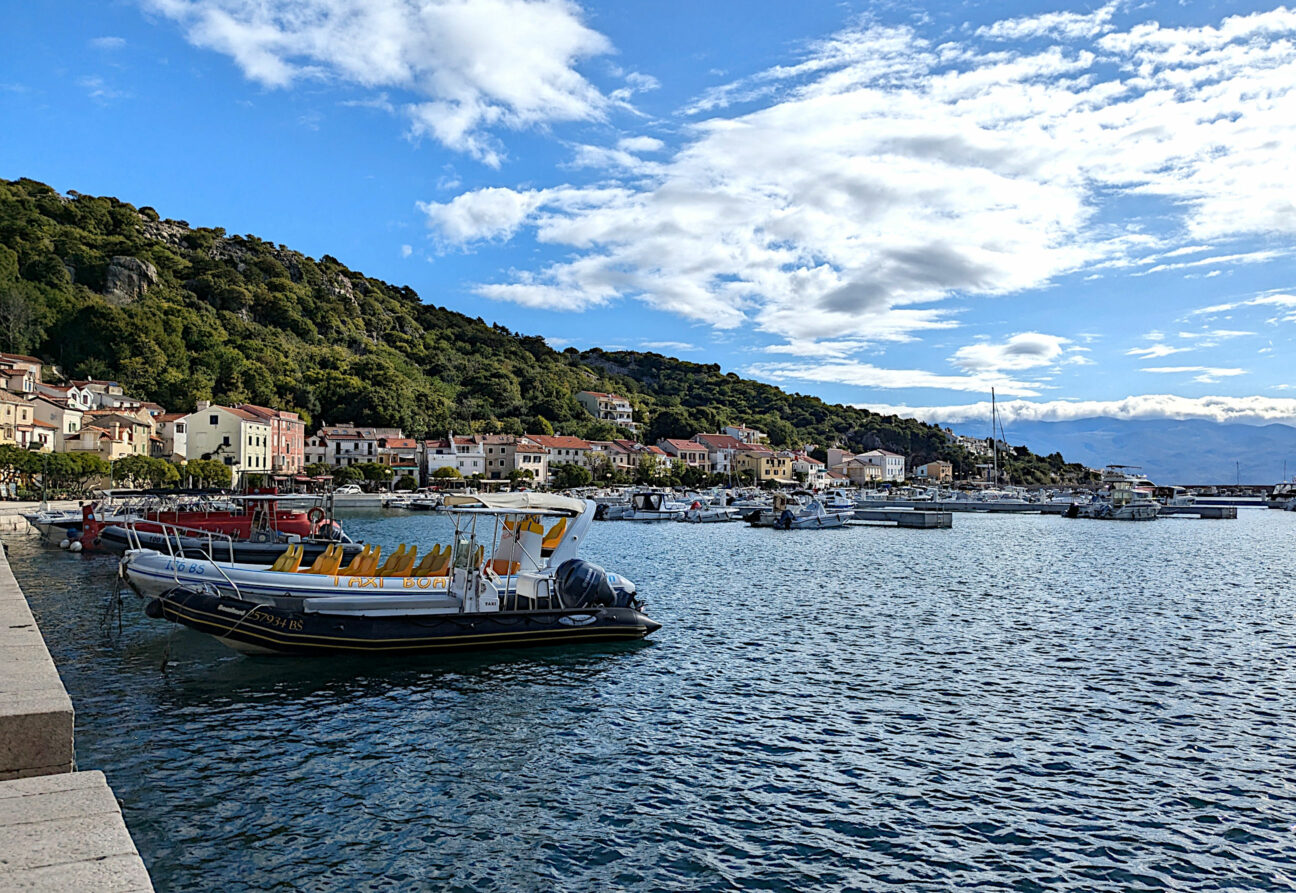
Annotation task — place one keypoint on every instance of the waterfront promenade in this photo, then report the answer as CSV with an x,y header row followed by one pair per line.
x,y
60,829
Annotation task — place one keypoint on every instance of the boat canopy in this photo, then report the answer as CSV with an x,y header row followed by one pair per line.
x,y
520,502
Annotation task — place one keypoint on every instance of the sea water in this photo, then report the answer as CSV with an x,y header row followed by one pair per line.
x,y
1019,703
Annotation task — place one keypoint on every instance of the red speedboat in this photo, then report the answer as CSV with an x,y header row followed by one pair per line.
x,y
255,518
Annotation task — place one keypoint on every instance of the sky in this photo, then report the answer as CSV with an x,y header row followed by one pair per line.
x,y
1088,208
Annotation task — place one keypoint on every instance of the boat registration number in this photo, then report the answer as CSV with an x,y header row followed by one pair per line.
x,y
182,567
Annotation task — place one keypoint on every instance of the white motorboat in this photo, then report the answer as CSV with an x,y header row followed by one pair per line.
x,y
494,586
789,513
710,513
648,506
1127,497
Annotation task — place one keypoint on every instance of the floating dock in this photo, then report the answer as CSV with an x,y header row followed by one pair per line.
x,y
907,518
1217,512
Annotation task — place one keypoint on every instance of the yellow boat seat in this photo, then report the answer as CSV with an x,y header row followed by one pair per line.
x,y
329,562
505,568
290,560
554,536
357,563
401,564
391,563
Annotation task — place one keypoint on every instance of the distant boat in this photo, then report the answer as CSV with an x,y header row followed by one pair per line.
x,y
1127,497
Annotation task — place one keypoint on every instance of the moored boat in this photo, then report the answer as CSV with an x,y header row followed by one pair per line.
x,y
504,581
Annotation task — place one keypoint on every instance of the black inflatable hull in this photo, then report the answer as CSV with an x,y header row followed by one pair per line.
x,y
113,539
246,626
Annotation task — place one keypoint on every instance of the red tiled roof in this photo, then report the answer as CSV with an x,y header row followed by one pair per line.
x,y
22,358
528,448
400,443
38,423
718,441
171,416
560,441
684,445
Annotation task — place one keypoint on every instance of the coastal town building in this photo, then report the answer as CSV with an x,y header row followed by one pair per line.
x,y
105,393
564,449
69,395
109,444
837,457
465,454
860,472
809,470
892,464
608,408
64,420
230,435
765,464
345,445
691,453
287,438
15,419
938,472
721,449
171,427
401,454
744,434
21,374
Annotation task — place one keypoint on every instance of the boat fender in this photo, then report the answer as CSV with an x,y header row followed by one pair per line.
x,y
64,543
153,609
75,546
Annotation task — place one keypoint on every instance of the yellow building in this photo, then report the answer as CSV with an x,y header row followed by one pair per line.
x,y
765,465
15,419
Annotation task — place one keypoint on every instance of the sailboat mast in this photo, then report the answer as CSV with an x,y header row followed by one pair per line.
x,y
994,439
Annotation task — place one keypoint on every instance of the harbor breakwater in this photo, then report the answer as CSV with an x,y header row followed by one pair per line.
x,y
60,829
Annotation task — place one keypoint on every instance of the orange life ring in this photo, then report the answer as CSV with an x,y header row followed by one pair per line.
x,y
315,516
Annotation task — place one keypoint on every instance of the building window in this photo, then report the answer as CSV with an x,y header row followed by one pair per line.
x,y
179,428
225,440
213,420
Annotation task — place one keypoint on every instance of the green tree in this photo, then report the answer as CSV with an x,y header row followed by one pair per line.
x,y
569,475
209,473
447,473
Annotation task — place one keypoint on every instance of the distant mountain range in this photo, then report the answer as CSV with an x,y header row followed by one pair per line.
x,y
1170,451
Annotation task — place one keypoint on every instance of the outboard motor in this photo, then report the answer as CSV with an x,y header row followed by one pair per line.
x,y
583,584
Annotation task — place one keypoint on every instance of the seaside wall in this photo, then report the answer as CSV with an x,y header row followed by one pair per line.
x,y
59,829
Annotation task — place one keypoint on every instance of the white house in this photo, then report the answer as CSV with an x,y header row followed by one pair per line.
x,y
235,437
608,408
892,464
173,429
744,434
464,454
66,420
564,448
816,473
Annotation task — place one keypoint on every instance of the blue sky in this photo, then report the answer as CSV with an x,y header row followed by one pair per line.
x,y
1087,207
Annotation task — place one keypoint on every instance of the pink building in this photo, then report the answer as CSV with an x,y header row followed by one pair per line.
x,y
287,438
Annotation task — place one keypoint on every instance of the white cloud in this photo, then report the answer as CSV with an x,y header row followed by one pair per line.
x,y
1027,350
406,250
668,345
880,178
108,43
1255,410
1282,301
464,68
1155,351
1064,25
1202,374
100,90
870,376
640,144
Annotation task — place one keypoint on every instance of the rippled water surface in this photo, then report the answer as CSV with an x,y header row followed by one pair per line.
x,y
1022,703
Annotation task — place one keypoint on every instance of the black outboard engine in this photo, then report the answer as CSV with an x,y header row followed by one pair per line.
x,y
583,584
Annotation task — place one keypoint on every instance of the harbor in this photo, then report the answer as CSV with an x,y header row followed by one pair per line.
x,y
645,752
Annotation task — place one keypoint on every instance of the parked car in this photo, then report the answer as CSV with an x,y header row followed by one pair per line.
x,y
347,490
